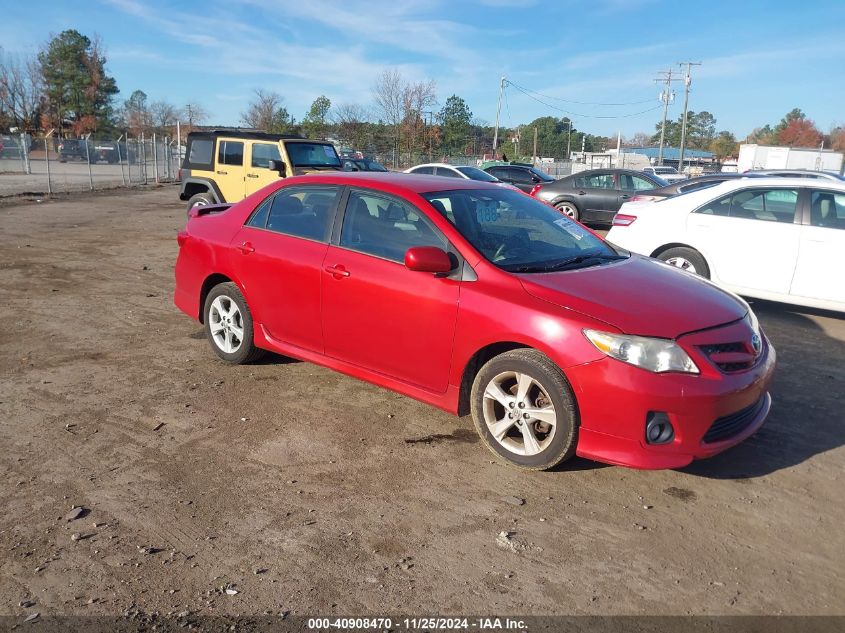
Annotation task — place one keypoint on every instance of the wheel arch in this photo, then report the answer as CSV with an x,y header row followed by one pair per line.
x,y
193,186
215,279
666,247
476,362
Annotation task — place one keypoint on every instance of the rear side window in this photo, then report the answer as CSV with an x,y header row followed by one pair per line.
x,y
522,176
629,182
301,212
595,181
263,153
230,153
201,152
448,173
770,205
429,171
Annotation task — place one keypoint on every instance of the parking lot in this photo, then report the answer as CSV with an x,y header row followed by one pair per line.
x,y
304,491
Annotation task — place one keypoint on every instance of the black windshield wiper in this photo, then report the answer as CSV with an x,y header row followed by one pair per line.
x,y
565,263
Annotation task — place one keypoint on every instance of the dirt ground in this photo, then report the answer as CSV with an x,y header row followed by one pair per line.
x,y
308,492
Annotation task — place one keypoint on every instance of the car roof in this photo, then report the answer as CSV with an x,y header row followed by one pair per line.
x,y
437,165
393,181
260,136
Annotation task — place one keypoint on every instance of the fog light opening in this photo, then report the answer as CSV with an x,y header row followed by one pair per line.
x,y
658,428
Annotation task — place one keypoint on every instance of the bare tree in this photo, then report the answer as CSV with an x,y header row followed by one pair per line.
x,y
194,114
262,110
417,100
350,119
388,94
21,87
163,114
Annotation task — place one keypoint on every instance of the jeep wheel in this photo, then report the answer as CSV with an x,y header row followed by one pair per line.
x,y
200,200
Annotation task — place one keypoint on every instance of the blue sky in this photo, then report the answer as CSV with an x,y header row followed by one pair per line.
x,y
760,59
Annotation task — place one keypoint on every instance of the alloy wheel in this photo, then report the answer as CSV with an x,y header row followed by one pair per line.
x,y
519,413
226,324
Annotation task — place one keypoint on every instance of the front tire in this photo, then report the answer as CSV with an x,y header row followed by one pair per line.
x,y
200,200
228,325
687,259
524,410
569,209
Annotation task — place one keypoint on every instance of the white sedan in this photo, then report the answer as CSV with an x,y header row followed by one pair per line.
x,y
457,171
781,239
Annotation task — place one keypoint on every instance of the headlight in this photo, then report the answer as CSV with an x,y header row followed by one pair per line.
x,y
654,354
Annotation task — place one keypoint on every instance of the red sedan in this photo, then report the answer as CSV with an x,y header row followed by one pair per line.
x,y
481,300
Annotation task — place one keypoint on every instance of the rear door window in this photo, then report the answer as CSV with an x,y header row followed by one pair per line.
x,y
595,181
230,152
300,212
447,172
629,182
769,205
521,176
429,171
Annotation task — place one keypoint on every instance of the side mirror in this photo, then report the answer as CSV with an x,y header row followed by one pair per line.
x,y
279,166
428,259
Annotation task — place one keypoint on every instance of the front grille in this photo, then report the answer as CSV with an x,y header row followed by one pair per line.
x,y
733,424
729,357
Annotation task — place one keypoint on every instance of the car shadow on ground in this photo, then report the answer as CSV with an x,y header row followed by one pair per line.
x,y
807,415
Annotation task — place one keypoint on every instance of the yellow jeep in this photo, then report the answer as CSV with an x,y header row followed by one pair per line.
x,y
227,166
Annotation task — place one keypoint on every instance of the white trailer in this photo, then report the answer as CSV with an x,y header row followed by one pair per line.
x,y
752,156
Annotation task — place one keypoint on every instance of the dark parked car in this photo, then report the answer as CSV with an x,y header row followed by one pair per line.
x,y
362,164
10,147
594,196
97,151
524,177
685,186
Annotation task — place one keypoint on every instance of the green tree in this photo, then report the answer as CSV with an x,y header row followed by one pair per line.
x,y
136,113
701,131
76,86
316,124
455,118
724,144
796,114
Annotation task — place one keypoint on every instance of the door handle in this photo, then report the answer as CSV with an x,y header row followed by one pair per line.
x,y
252,175
582,193
337,271
625,196
246,248
223,173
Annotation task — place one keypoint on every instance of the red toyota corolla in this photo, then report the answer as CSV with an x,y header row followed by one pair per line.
x,y
482,300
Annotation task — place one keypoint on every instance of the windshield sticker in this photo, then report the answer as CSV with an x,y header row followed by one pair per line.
x,y
485,211
575,230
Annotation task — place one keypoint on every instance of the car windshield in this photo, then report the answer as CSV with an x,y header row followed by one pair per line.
x,y
372,165
541,174
520,234
312,155
473,173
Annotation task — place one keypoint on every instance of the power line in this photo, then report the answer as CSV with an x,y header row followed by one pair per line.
x,y
586,116
598,103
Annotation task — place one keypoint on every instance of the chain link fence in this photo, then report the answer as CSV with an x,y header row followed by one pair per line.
x,y
47,165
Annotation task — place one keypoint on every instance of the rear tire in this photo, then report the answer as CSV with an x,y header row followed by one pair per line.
x,y
200,200
687,259
524,410
228,325
569,209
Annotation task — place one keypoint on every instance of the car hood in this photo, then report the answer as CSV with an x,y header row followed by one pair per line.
x,y
639,296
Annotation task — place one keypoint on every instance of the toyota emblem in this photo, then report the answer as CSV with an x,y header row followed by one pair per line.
x,y
756,343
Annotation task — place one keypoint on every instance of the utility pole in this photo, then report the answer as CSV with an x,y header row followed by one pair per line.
x,y
667,95
498,110
569,139
534,162
687,83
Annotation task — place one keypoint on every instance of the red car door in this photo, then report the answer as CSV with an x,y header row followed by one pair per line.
x,y
377,314
278,256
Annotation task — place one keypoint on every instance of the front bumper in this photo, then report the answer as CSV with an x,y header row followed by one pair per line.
x,y
615,399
